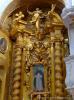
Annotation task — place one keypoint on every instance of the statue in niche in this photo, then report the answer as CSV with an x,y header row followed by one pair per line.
x,y
36,18
38,77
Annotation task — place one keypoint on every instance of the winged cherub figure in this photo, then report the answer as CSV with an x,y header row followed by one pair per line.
x,y
36,18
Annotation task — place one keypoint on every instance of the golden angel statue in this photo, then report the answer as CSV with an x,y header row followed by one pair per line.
x,y
19,16
49,16
36,17
52,9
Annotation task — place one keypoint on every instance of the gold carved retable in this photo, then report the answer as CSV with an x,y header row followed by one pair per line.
x,y
38,46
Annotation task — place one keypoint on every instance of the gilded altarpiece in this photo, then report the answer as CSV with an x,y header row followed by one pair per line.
x,y
38,63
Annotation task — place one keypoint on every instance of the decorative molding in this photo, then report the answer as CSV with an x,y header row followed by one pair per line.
x,y
68,16
69,58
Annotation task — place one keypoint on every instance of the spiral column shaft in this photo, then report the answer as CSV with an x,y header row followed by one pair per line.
x,y
16,94
58,71
52,68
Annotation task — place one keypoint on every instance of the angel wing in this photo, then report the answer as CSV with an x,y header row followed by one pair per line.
x,y
29,12
53,7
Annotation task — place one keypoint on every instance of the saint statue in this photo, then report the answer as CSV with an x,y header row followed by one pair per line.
x,y
36,18
38,81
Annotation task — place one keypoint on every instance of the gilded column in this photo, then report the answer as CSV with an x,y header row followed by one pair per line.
x,y
16,93
59,92
52,67
26,76
63,66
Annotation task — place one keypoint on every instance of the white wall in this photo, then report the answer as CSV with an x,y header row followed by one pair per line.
x,y
69,3
3,5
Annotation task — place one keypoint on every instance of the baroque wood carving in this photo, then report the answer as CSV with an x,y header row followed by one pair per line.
x,y
39,46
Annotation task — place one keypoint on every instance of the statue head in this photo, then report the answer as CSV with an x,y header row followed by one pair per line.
x,y
37,9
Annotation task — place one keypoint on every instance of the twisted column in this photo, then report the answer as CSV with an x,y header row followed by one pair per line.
x,y
58,71
16,93
64,67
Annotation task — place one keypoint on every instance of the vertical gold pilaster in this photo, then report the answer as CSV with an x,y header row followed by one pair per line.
x,y
52,66
24,59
